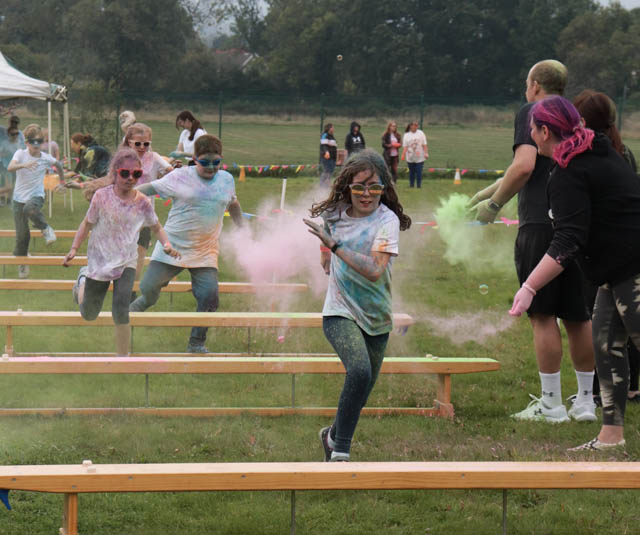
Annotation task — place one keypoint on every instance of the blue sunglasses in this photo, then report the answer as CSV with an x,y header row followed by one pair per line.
x,y
209,163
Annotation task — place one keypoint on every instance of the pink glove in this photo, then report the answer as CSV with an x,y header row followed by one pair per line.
x,y
521,302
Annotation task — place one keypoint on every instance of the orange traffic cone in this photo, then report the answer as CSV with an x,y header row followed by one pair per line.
x,y
457,180
242,177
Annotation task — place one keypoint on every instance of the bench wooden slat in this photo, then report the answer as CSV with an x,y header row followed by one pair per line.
x,y
174,286
320,476
46,260
179,319
11,233
234,365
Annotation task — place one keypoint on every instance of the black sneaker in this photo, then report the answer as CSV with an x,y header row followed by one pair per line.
x,y
200,348
324,438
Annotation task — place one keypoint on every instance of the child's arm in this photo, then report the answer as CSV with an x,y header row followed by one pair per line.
x,y
235,211
159,231
147,189
81,234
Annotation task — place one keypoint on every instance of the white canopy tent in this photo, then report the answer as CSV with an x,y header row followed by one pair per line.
x,y
15,84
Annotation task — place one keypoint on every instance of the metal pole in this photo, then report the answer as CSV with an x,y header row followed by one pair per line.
x,y
421,110
220,115
321,112
622,103
118,133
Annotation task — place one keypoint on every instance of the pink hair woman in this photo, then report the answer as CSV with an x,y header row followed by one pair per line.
x,y
595,207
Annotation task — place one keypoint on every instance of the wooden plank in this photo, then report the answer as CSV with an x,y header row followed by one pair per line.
x,y
320,476
180,319
235,365
46,260
212,412
174,286
70,514
11,233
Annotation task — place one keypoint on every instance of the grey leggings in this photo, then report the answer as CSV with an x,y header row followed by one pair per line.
x,y
615,318
94,292
362,356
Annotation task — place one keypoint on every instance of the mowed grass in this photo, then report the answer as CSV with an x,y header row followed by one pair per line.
x,y
425,285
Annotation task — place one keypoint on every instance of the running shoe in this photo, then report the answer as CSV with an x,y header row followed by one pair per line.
x,y
538,411
324,438
596,445
49,235
339,457
583,412
197,348
23,271
79,281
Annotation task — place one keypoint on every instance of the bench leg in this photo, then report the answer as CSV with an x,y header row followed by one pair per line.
x,y
8,343
70,515
443,401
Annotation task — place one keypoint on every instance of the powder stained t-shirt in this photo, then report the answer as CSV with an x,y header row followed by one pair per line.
x,y
196,216
113,242
153,166
30,182
350,294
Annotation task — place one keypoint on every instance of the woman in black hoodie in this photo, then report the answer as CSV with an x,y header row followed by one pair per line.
x,y
595,208
354,140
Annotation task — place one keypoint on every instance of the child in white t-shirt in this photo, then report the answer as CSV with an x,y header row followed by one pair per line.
x,y
31,166
362,220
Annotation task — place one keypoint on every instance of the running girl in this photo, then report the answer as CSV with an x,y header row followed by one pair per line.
x,y
362,220
115,217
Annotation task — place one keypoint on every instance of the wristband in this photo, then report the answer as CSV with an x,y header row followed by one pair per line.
x,y
335,246
494,206
529,288
324,249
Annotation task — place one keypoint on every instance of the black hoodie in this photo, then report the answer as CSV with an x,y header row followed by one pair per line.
x,y
595,211
354,141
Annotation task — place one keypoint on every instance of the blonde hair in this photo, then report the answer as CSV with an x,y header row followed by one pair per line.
x,y
32,131
126,118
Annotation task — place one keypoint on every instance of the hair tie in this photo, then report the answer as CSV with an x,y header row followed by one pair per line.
x,y
576,128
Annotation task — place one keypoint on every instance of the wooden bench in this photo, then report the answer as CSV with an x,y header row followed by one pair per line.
x,y
11,233
443,368
173,287
45,260
18,318
72,480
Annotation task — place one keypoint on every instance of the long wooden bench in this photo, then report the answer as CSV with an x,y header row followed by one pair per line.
x,y
443,368
173,287
45,260
11,233
72,480
19,318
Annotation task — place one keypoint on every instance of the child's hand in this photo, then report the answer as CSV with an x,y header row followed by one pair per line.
x,y
30,165
70,256
171,251
327,155
318,231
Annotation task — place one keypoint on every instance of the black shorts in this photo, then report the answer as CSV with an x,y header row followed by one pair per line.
x,y
564,296
144,239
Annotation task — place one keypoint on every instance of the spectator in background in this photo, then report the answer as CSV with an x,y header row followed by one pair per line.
x,y
328,154
354,140
93,159
8,147
391,141
599,113
50,146
192,130
414,151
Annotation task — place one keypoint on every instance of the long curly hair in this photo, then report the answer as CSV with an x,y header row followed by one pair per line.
x,y
368,161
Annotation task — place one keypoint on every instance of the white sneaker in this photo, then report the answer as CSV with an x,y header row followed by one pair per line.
x,y
49,235
23,272
583,412
538,411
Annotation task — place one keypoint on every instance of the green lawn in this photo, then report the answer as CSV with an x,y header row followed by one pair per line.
x,y
448,307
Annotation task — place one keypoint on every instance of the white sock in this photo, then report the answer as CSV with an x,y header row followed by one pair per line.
x,y
551,389
330,441
585,387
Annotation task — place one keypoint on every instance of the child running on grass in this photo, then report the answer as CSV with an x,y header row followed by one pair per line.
x,y
115,217
31,166
362,220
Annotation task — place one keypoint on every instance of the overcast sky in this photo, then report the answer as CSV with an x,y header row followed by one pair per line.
x,y
629,4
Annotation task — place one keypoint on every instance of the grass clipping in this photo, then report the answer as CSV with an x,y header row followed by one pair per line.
x,y
478,247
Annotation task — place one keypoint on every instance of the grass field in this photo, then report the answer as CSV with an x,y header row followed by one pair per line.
x,y
436,293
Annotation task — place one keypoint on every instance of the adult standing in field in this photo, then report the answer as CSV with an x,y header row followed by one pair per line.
x,y
354,141
8,147
328,154
93,158
391,141
200,195
564,297
594,199
362,219
31,166
191,131
415,152
599,114
115,216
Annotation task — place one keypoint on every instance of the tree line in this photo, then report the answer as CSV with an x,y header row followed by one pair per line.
x,y
466,48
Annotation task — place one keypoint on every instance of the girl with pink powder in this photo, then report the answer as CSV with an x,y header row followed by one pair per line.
x,y
362,220
115,217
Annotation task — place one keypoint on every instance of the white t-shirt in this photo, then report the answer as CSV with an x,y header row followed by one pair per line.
x,y
30,182
414,142
195,219
113,242
187,146
152,165
350,294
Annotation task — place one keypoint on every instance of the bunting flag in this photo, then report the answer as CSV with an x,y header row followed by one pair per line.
x,y
242,177
167,202
299,167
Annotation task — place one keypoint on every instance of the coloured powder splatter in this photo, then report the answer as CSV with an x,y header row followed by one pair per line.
x,y
469,327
